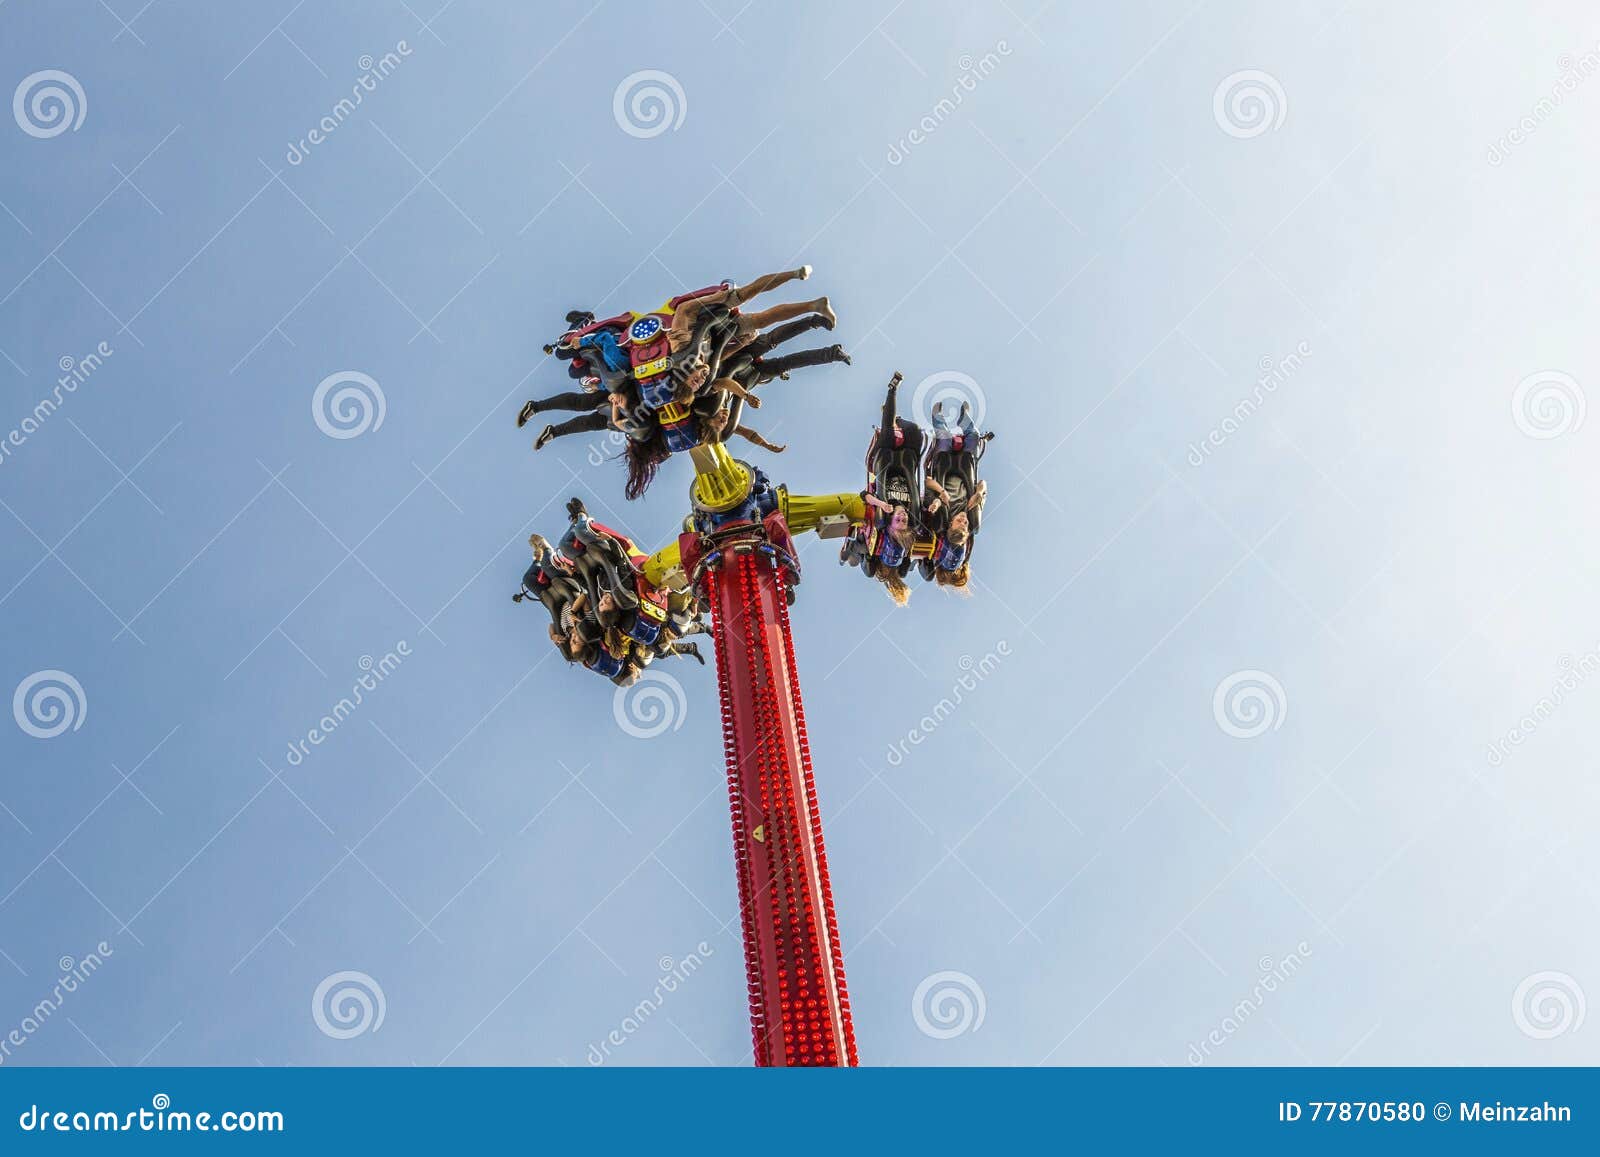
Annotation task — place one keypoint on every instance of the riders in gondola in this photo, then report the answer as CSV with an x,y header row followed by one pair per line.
x,y
679,375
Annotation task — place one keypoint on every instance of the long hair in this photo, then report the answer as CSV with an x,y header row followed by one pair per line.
x,y
955,580
896,586
644,459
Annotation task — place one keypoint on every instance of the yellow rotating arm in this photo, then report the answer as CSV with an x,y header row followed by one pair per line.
x,y
721,483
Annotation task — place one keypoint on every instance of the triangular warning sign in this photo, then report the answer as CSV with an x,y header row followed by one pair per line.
x,y
760,834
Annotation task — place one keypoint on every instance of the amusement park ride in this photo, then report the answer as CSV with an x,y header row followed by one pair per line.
x,y
736,558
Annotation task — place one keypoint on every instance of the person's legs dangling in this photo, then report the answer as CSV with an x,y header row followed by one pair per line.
x,y
778,366
586,424
767,282
572,400
766,342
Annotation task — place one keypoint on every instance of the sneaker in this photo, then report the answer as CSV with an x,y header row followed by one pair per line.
x,y
827,313
839,355
805,273
545,437
528,410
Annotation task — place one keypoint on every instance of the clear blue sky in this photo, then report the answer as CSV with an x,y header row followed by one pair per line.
x,y
1108,248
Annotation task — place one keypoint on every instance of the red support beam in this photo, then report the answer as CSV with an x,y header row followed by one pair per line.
x,y
799,1010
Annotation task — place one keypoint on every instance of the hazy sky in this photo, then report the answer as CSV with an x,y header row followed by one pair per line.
x,y
1272,737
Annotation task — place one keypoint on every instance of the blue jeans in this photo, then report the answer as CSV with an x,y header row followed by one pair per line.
x,y
944,432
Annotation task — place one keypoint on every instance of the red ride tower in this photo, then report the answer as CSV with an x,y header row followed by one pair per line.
x,y
799,1009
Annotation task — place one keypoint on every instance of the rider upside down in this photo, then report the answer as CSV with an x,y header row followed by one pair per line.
x,y
603,613
680,376
924,500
